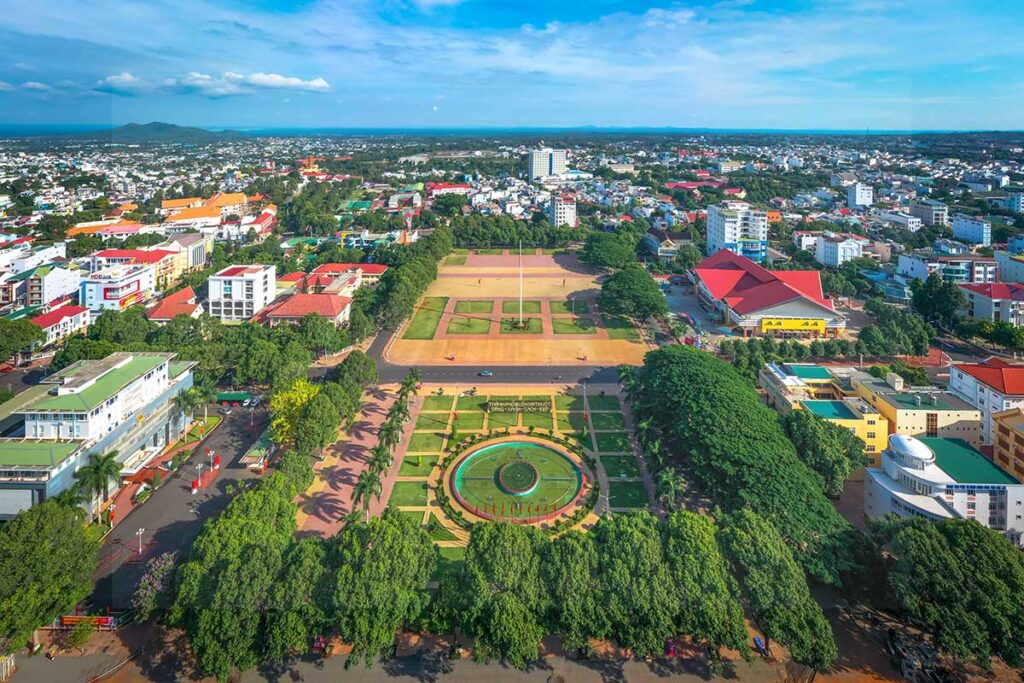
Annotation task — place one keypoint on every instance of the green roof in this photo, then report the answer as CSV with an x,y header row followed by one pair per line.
x,y
21,399
810,371
965,465
26,312
830,410
102,388
22,453
176,367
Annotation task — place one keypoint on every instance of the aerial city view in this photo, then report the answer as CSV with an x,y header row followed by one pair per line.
x,y
467,340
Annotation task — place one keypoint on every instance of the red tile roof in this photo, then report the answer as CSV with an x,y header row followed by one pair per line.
x,y
1005,378
300,305
997,290
136,255
747,287
48,320
367,268
182,302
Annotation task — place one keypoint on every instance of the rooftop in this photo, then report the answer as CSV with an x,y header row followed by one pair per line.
x,y
1006,378
809,371
35,453
830,410
964,464
99,380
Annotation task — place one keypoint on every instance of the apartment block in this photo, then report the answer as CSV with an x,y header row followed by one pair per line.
x,y
237,293
736,227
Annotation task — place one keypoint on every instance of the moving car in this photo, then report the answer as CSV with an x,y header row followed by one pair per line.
x,y
485,373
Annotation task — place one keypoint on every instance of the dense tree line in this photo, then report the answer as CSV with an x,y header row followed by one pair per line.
x,y
477,230
833,452
633,292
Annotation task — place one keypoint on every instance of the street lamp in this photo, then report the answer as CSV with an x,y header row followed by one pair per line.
x,y
139,534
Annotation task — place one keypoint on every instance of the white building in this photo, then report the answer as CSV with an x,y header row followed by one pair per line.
x,y
62,322
36,256
941,479
990,386
835,250
736,227
806,239
950,268
972,229
931,212
1014,200
117,287
546,162
901,220
860,196
240,292
562,211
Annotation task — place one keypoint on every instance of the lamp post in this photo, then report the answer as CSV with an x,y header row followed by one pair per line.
x,y
139,534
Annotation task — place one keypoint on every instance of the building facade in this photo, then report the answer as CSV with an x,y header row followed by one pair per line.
x,y
995,302
240,292
62,322
931,212
860,196
117,288
546,162
991,386
834,250
562,211
1008,442
735,227
972,229
951,268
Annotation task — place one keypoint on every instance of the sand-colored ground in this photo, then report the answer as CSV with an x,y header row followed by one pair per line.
x,y
545,279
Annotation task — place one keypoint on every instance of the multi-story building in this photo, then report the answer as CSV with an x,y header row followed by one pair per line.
x,y
37,256
370,273
860,196
931,211
944,479
123,403
901,220
117,287
562,211
240,292
546,162
957,269
736,227
727,166
664,244
167,265
62,322
806,239
991,386
40,285
1008,441
1013,201
197,247
972,229
995,302
918,411
835,250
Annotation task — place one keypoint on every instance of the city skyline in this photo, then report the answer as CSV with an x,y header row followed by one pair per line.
x,y
867,64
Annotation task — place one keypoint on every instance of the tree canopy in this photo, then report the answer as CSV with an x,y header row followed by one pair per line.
x,y
632,291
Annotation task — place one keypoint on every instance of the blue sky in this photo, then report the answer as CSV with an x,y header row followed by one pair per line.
x,y
797,64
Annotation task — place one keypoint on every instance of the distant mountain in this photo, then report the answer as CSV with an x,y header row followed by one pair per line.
x,y
163,132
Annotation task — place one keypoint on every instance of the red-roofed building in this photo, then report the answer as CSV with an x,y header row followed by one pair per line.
x,y
296,307
182,302
994,301
441,189
62,322
786,303
372,272
164,262
991,386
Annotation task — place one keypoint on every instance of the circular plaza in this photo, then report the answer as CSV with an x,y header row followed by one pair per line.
x,y
518,479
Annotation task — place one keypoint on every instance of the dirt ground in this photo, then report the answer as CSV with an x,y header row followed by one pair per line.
x,y
545,279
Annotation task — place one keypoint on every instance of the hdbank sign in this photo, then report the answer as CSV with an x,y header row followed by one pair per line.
x,y
793,325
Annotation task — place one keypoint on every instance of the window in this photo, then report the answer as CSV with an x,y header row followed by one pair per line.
x,y
932,424
871,435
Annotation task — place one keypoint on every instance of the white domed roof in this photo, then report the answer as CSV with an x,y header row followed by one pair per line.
x,y
910,447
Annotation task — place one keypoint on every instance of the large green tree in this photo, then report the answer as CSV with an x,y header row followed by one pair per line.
x,y
569,569
318,425
298,601
608,250
937,300
17,336
830,450
633,292
46,568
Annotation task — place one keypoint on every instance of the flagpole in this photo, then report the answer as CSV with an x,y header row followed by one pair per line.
x,y
520,283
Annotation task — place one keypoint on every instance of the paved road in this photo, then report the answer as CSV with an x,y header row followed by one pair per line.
x,y
173,517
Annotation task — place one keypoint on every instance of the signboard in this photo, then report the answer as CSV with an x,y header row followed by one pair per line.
x,y
519,406
72,619
793,325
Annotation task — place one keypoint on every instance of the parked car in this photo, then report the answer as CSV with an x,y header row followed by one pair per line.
x,y
225,411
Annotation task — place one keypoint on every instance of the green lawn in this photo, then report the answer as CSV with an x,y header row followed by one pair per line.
x,y
490,252
563,402
415,515
627,494
474,306
424,322
460,250
439,533
502,420
502,399
425,442
417,465
456,260
470,421
614,442
619,327
449,563
606,402
566,307
538,420
434,402
432,421
510,326
569,326
618,465
470,403
409,494
464,325
513,307
569,422
606,421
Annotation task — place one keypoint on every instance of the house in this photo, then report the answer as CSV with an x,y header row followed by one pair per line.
x,y
197,247
664,244
62,322
40,285
371,272
833,250
333,307
994,302
787,303
182,302
991,386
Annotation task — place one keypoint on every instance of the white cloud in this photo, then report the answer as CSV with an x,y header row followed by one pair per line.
x,y
34,85
431,4
5,86
211,86
277,81
122,83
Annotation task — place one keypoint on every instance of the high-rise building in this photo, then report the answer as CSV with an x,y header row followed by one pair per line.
x,y
546,162
736,227
860,196
240,292
972,229
562,211
931,211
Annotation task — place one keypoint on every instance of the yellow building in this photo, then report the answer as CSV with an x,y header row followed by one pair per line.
x,y
1008,449
856,415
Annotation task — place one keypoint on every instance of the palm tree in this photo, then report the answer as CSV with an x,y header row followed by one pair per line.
x,y
95,476
670,487
367,486
409,383
380,459
627,378
205,395
399,411
187,401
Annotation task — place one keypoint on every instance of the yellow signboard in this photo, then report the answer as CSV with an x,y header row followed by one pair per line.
x,y
793,325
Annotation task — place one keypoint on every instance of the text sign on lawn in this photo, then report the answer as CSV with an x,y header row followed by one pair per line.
x,y
519,406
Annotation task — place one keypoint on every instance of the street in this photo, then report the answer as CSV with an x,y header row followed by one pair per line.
x,y
173,517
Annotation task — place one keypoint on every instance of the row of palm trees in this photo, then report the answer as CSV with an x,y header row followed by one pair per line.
x,y
368,486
